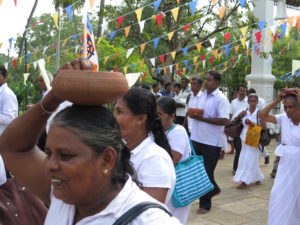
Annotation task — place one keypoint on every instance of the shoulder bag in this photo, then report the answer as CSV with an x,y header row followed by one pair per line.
x,y
265,138
235,128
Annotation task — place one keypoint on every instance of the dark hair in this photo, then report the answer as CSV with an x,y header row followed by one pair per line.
x,y
141,101
199,80
167,84
244,86
251,90
215,75
252,96
167,104
3,71
177,85
98,129
145,86
293,98
155,85
185,79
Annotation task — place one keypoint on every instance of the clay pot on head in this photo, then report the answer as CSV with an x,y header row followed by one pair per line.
x,y
85,87
195,112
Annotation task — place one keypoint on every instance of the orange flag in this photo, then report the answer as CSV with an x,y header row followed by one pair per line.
x,y
142,46
222,12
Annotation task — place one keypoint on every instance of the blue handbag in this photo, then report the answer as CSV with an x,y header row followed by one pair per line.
x,y
192,181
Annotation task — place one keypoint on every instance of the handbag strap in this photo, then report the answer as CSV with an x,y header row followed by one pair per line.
x,y
257,120
171,128
192,147
136,210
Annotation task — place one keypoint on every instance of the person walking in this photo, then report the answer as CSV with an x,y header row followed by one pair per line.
x,y
180,99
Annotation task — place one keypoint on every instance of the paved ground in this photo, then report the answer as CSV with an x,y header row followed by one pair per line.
x,y
237,207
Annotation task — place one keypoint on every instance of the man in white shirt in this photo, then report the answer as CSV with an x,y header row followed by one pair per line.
x,y
180,99
207,131
8,102
156,90
185,86
193,100
237,106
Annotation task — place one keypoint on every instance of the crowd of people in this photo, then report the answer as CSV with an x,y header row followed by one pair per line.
x,y
98,166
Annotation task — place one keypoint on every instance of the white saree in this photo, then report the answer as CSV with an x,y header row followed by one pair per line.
x,y
2,172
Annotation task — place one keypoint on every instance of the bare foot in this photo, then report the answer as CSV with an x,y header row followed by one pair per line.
x,y
242,186
202,211
257,182
231,152
222,154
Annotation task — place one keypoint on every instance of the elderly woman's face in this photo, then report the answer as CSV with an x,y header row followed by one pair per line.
x,y
74,168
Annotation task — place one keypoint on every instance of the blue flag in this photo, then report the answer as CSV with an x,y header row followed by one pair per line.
x,y
227,49
156,4
186,62
193,5
185,51
10,42
261,24
156,40
157,71
112,35
243,3
69,11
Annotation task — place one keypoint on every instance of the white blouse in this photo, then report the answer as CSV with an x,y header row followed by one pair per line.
x,y
154,167
61,213
253,118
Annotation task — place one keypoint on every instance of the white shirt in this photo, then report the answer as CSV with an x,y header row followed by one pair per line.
x,y
8,106
179,141
215,105
238,106
153,165
181,99
290,133
156,93
193,103
61,213
261,103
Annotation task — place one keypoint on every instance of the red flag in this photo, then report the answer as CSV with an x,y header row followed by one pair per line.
x,y
159,19
202,57
185,28
145,74
297,25
162,59
120,20
258,36
233,60
211,59
41,21
15,2
116,70
275,38
227,36
15,63
54,45
179,72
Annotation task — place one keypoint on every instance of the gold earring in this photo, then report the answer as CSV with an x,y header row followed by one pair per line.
x,y
105,171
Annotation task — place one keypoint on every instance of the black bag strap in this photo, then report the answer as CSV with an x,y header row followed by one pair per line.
x,y
136,210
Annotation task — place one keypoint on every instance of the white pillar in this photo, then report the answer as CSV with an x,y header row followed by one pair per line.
x,y
261,78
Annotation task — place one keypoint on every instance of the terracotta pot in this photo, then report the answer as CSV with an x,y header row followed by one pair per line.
x,y
89,88
195,112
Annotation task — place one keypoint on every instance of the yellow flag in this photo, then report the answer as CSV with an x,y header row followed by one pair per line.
x,y
216,51
27,67
236,48
55,18
265,42
125,69
126,30
214,2
105,60
244,31
271,33
195,59
291,21
219,55
20,60
173,54
222,12
183,70
175,13
1,42
65,42
225,64
48,59
92,3
142,46
178,1
170,35
165,70
138,13
198,45
177,66
243,41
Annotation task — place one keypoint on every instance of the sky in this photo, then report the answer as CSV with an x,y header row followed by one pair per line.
x,y
13,19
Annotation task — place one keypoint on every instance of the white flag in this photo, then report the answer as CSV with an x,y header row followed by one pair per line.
x,y
142,24
129,52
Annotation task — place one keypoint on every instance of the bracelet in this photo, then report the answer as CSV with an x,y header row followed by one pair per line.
x,y
45,110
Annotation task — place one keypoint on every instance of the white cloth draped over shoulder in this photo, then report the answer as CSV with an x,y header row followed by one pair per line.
x,y
2,172
61,213
284,206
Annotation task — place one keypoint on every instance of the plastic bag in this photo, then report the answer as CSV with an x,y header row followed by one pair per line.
x,y
253,135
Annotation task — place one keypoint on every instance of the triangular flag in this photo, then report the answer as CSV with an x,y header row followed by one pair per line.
x,y
132,66
112,35
185,28
265,42
216,51
6,65
178,1
203,64
65,41
258,36
211,59
55,18
244,31
10,42
104,27
48,59
190,68
27,67
26,75
120,21
155,41
20,60
179,72
44,50
14,63
185,50
92,3
15,2
158,18
290,21
261,24
126,30
275,38
105,60
198,46
227,36
202,57
142,24
170,35
236,48
193,5
243,3
196,66
153,61
125,69
1,2
69,11
177,66
227,49
175,13
186,62
173,54
283,27
219,55
162,59
214,2
183,70
76,48
35,65
212,42
195,59
243,41
247,44
156,4
138,13
129,52
157,71
171,68
222,12
145,75
142,46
